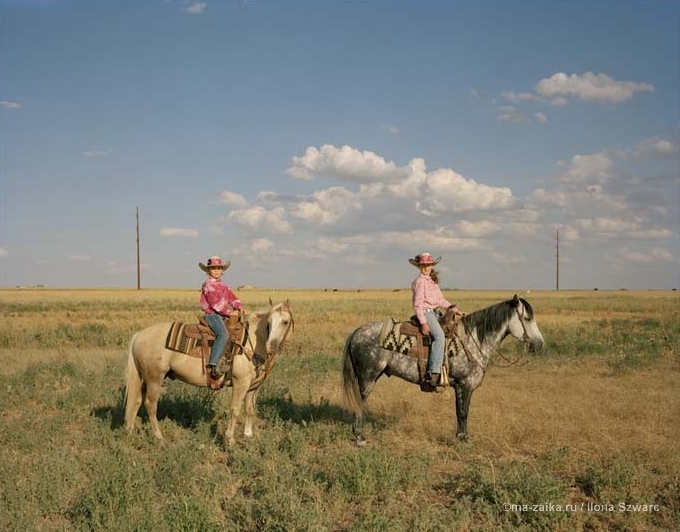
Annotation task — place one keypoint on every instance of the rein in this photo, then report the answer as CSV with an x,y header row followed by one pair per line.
x,y
496,350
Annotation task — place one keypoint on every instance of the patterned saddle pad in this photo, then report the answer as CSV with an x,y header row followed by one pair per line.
x,y
194,339
403,336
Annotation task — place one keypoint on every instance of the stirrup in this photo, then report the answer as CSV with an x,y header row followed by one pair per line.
x,y
444,376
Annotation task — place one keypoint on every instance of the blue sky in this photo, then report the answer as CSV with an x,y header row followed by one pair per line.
x,y
322,144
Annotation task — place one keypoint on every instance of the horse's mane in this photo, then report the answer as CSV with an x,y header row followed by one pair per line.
x,y
263,312
490,319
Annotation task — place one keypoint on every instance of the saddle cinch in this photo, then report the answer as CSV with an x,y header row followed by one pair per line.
x,y
405,337
196,339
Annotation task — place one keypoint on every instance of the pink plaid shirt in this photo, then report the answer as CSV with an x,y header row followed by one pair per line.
x,y
426,295
217,298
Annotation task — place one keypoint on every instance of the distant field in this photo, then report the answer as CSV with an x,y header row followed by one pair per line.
x,y
578,437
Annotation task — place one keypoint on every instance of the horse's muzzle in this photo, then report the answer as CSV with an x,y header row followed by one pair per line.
x,y
535,345
272,347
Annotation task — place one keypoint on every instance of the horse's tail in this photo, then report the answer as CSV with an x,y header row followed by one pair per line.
x,y
133,385
350,382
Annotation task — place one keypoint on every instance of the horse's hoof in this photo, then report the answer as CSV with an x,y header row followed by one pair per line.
x,y
361,442
462,436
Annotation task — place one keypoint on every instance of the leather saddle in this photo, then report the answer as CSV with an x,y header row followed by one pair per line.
x,y
203,335
421,350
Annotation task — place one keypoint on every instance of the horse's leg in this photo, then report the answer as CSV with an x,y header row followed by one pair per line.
x,y
463,394
133,391
153,392
132,404
357,429
251,412
238,393
366,383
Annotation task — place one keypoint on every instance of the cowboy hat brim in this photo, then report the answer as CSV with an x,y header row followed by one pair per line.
x,y
418,264
206,269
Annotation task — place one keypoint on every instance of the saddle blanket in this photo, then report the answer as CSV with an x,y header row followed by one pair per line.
x,y
176,339
392,338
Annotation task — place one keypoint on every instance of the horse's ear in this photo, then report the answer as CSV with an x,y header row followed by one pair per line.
x,y
287,302
515,301
271,303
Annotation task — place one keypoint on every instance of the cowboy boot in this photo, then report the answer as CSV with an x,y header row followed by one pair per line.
x,y
215,372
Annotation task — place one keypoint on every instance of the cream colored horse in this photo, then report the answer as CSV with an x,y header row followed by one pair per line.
x,y
149,362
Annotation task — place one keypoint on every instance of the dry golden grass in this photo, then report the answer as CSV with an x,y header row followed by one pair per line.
x,y
596,412
529,409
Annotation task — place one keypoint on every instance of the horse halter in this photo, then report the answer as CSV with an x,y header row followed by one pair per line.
x,y
289,327
525,336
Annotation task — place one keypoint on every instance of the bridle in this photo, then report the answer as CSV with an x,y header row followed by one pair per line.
x,y
525,336
525,340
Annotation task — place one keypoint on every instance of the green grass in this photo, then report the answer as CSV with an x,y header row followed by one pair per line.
x,y
591,420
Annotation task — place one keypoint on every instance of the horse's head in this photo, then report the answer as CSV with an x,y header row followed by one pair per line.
x,y
280,323
522,324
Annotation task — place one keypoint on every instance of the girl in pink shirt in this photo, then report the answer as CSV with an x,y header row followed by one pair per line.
x,y
218,302
427,297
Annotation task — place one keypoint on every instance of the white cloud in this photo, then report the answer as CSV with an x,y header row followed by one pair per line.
x,y
327,206
447,191
394,209
415,239
590,87
410,186
176,231
361,259
261,244
392,130
258,218
3,252
330,245
594,168
569,233
502,258
10,105
197,8
344,163
231,198
656,147
653,255
475,229
517,97
508,113
559,101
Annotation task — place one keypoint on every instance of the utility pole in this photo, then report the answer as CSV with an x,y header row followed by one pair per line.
x,y
557,262
139,283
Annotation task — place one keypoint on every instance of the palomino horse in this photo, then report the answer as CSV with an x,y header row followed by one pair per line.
x,y
365,361
149,362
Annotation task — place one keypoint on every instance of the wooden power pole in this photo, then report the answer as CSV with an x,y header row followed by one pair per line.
x,y
139,279
557,262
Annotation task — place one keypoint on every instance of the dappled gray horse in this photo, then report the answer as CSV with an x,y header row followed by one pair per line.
x,y
365,361
149,362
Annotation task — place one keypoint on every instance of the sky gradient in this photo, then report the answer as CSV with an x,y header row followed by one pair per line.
x,y
322,144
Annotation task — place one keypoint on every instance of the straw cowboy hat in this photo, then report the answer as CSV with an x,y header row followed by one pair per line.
x,y
424,259
214,262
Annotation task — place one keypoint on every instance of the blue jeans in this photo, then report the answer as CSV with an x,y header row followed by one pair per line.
x,y
436,359
216,323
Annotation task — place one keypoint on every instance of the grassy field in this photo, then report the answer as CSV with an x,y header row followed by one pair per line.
x,y
583,436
